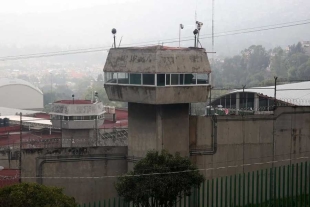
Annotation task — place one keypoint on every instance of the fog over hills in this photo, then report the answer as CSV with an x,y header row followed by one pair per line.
x,y
144,21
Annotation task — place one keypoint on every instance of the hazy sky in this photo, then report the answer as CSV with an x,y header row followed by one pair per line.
x,y
86,23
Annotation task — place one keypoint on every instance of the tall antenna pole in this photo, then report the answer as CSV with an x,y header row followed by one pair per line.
x,y
212,29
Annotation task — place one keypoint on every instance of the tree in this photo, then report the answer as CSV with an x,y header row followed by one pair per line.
x,y
34,195
159,179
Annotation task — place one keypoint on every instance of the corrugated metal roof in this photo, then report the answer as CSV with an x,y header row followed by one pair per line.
x,y
293,93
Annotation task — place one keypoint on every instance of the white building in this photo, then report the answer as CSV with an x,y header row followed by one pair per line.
x,y
20,94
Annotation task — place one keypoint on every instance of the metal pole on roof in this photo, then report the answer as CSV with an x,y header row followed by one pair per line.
x,y
243,99
275,92
20,147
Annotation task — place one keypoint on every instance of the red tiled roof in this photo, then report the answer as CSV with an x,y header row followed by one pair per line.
x,y
75,101
42,116
9,177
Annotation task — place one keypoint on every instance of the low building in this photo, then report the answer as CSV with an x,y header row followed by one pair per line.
x,y
261,100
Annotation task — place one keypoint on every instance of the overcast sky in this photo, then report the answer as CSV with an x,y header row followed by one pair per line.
x,y
85,23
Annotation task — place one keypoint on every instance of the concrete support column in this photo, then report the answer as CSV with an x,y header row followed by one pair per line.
x,y
237,103
256,102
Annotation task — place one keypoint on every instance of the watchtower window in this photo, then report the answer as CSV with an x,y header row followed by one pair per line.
x,y
160,79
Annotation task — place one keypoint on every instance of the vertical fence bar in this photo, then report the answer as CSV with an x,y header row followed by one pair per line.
x,y
230,190
274,198
253,187
212,193
189,201
248,189
235,190
288,185
104,203
279,186
180,202
208,194
292,183
270,186
266,189
261,187
203,194
216,194
184,201
283,187
243,189
300,190
94,204
296,190
257,187
226,191
198,196
239,190
306,179
309,188
221,201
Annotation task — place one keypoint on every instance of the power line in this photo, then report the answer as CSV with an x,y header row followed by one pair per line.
x,y
100,49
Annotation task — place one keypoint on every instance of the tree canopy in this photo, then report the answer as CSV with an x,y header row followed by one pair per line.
x,y
159,179
34,195
256,66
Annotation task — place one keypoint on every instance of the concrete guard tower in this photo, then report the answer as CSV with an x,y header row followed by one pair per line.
x,y
158,83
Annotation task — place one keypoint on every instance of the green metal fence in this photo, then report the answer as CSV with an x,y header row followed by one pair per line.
x,y
279,186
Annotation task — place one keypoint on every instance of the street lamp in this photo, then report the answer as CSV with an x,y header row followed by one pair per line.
x,y
114,32
181,27
92,90
195,33
73,98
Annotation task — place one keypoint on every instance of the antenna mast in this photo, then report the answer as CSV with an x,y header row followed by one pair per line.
x,y
212,29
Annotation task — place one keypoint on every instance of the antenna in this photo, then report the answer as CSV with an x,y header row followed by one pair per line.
x,y
120,41
198,25
181,27
212,30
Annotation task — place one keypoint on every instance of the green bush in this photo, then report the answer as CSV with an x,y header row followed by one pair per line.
x,y
34,195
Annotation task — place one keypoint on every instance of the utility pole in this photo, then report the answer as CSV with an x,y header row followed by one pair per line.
x,y
20,146
275,92
212,31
